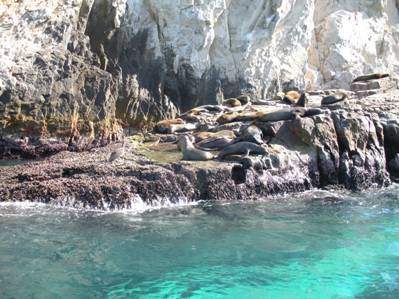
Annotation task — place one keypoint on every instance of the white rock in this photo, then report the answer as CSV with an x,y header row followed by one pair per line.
x,y
310,43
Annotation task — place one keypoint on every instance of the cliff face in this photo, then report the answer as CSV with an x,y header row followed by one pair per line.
x,y
76,61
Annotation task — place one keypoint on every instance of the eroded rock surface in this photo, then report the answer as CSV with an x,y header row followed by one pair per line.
x,y
140,61
351,144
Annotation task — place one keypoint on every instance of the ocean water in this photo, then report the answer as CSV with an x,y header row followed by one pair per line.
x,y
314,245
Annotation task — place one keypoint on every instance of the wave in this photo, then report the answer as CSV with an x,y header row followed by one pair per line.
x,y
136,205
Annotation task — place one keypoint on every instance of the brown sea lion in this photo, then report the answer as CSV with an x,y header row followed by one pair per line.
x,y
292,97
164,126
227,117
199,136
244,99
190,153
232,102
239,116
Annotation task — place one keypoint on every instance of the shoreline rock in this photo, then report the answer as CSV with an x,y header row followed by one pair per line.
x,y
348,145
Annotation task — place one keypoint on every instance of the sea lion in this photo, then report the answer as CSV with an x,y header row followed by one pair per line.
x,y
232,102
199,136
191,118
292,97
251,134
226,118
369,77
211,108
242,148
282,114
334,98
312,112
214,143
164,126
190,153
303,101
239,116
233,127
290,113
181,128
244,99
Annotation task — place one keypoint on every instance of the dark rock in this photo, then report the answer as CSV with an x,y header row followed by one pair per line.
x,y
393,166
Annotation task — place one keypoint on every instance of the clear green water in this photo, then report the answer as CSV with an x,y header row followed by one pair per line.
x,y
317,246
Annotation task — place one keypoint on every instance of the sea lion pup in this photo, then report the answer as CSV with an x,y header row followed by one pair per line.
x,y
292,97
334,98
232,102
242,148
190,153
369,77
164,126
251,134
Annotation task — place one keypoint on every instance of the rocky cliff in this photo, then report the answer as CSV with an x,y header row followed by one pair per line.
x,y
70,63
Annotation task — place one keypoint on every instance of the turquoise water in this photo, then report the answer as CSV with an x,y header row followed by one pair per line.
x,y
317,245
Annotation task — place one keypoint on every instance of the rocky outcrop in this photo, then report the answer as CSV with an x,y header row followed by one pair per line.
x,y
135,61
350,144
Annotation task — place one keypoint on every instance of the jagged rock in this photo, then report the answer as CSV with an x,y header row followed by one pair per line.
x,y
142,61
347,146
363,161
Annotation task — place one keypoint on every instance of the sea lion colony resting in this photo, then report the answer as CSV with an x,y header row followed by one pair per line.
x,y
239,125
232,128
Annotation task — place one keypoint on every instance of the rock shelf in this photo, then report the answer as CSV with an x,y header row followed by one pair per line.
x,y
352,143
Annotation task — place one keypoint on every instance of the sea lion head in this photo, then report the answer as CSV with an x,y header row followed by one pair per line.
x,y
184,142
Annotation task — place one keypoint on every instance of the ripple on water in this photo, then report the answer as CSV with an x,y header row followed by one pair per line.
x,y
319,245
